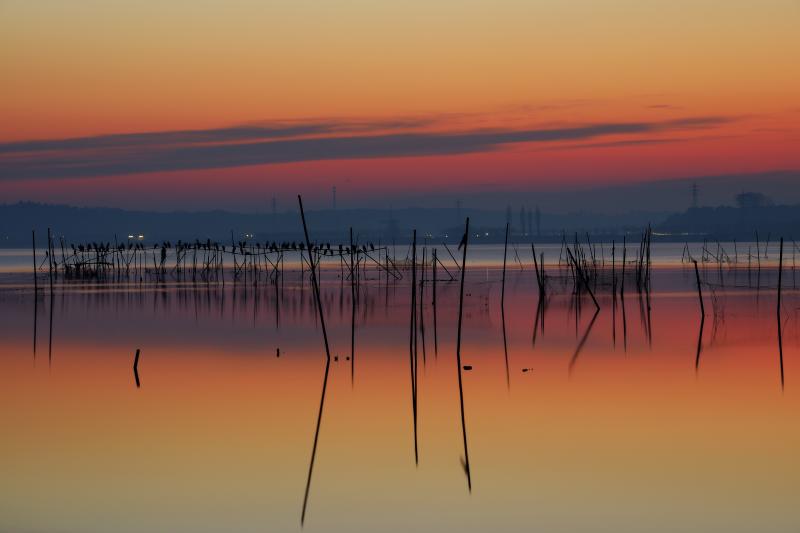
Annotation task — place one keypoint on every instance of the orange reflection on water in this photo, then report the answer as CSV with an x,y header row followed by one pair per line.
x,y
630,430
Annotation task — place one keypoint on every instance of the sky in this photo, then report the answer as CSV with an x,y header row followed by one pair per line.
x,y
175,104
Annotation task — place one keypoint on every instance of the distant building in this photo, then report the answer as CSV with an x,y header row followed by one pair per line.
x,y
746,200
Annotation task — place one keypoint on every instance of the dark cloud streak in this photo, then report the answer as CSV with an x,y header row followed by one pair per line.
x,y
194,150
245,132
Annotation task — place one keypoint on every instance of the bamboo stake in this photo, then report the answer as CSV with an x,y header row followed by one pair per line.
x,y
699,289
33,247
464,241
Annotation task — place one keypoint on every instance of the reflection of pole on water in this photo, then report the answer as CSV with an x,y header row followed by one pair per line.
x,y
136,368
778,312
582,342
352,314
464,242
702,316
315,286
433,305
412,342
503,309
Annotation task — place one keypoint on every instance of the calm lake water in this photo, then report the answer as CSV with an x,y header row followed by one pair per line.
x,y
580,421
15,260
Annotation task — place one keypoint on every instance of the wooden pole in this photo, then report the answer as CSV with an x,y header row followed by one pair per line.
x,y
412,341
50,258
33,247
539,280
136,368
778,309
435,336
465,241
352,315
699,289
503,286
780,278
614,271
314,282
622,276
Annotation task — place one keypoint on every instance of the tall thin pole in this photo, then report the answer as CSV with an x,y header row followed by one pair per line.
x,y
780,334
699,290
50,258
353,314
505,255
136,368
622,276
780,278
435,337
327,362
412,341
33,247
464,241
314,282
613,270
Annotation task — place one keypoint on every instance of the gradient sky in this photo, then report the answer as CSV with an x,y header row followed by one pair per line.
x,y
191,104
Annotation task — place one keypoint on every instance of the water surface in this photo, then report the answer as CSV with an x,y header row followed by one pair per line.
x,y
580,421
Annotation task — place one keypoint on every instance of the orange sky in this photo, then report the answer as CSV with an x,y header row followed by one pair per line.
x,y
96,68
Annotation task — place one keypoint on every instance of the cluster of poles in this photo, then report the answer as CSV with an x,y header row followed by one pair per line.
x,y
586,271
203,260
251,262
778,305
724,263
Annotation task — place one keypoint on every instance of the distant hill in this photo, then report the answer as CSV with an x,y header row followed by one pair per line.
x,y
100,224
103,224
727,223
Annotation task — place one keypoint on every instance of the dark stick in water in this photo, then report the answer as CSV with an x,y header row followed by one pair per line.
x,y
539,307
422,305
464,242
505,348
622,276
778,309
136,368
503,309
314,282
780,277
699,343
315,286
50,259
503,285
316,439
412,342
536,268
353,315
35,320
624,319
50,337
613,270
35,292
451,255
433,304
582,341
35,281
699,289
